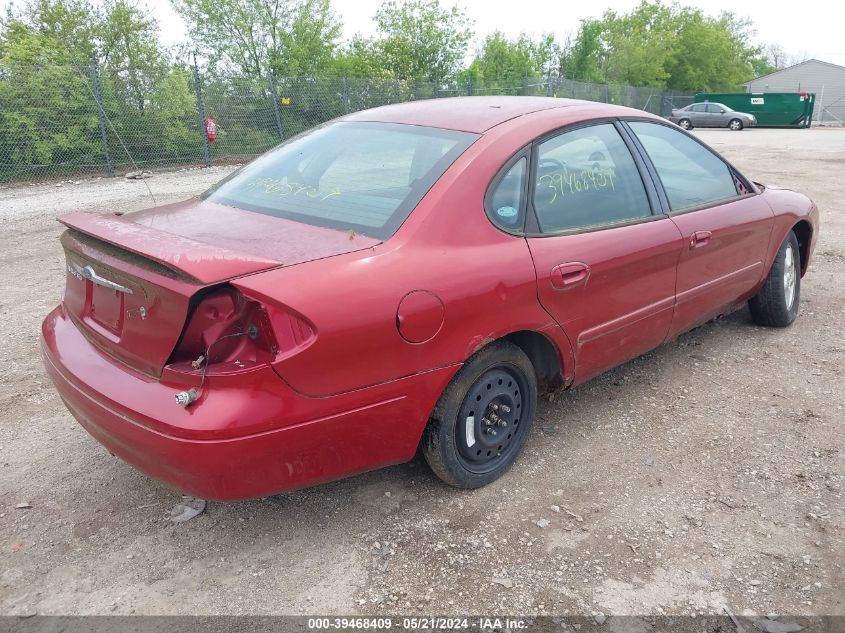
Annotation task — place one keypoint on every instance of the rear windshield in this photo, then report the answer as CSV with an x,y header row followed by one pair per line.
x,y
362,177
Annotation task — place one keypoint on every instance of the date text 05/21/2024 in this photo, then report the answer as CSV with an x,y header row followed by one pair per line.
x,y
491,623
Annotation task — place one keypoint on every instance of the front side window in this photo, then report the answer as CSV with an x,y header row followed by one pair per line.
x,y
587,178
362,177
714,109
691,174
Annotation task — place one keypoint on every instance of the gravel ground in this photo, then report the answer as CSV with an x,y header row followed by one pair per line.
x,y
708,473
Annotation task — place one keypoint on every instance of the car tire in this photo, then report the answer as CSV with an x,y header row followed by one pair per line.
x,y
483,417
685,123
735,125
776,305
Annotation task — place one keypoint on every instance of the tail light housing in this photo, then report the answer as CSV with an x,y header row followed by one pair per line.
x,y
229,332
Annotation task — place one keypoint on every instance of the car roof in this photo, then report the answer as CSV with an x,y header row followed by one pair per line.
x,y
469,114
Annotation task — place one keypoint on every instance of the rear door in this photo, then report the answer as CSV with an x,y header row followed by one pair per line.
x,y
605,260
725,225
698,115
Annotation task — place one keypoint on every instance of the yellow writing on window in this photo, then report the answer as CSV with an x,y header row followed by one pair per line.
x,y
567,183
284,188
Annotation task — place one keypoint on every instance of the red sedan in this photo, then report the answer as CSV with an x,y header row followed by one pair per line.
x,y
409,276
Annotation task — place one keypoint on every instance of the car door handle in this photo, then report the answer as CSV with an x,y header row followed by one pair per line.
x,y
571,274
699,239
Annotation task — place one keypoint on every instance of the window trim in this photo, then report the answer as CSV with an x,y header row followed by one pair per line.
x,y
660,192
518,231
532,222
752,189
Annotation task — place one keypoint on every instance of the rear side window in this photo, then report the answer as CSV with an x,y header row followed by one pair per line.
x,y
587,178
504,203
362,177
691,174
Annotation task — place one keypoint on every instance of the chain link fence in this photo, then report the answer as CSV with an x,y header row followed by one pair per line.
x,y
831,112
64,121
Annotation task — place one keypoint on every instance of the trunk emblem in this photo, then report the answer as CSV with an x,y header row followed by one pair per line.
x,y
86,272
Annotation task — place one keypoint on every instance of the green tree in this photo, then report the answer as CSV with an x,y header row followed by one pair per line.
x,y
711,54
310,44
625,49
422,40
664,45
760,66
641,44
287,37
360,57
130,52
49,32
511,61
584,59
48,115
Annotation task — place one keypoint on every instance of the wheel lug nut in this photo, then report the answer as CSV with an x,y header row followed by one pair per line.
x,y
505,408
486,422
491,431
494,417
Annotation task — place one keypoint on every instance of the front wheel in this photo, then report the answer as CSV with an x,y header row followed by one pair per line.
x,y
776,305
483,417
735,125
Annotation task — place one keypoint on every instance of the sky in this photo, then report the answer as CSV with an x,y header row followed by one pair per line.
x,y
809,28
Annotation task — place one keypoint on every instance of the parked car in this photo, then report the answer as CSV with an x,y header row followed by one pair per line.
x,y
711,115
404,277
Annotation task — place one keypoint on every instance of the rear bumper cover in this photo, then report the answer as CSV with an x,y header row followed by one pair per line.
x,y
247,436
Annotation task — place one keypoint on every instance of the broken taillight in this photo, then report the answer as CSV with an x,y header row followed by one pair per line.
x,y
230,332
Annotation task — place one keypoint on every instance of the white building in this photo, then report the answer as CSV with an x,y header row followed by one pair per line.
x,y
826,80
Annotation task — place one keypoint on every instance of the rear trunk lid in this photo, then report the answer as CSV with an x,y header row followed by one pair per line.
x,y
132,280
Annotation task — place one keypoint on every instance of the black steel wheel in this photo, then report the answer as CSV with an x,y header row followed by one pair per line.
x,y
488,422
483,417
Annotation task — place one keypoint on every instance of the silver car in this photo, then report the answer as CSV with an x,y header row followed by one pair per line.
x,y
711,114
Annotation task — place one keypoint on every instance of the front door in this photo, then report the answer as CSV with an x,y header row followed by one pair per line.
x,y
725,226
718,115
605,261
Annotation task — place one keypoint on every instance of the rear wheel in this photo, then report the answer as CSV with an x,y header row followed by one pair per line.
x,y
685,123
735,125
776,305
483,417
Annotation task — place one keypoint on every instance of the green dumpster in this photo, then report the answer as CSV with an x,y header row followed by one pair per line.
x,y
772,109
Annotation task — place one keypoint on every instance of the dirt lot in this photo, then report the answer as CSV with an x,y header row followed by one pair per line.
x,y
707,473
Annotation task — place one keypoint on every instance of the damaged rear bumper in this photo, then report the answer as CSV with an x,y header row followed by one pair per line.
x,y
247,436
